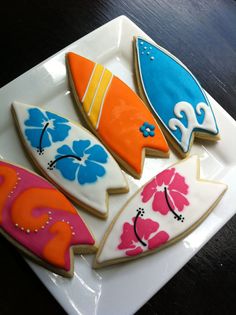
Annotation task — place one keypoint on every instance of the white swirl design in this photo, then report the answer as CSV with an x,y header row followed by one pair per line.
x,y
208,123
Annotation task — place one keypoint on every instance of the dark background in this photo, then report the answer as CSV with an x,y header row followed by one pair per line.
x,y
202,34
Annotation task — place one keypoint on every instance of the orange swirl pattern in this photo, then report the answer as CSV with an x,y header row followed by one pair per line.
x,y
9,176
34,198
38,217
55,249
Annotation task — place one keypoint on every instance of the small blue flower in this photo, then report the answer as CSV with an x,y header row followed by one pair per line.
x,y
147,130
44,128
82,162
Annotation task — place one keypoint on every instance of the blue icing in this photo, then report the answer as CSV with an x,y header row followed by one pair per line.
x,y
82,162
43,128
147,129
166,83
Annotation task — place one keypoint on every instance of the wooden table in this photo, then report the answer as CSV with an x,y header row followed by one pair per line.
x,y
202,34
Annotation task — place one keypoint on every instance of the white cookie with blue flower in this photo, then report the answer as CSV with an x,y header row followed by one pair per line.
x,y
71,157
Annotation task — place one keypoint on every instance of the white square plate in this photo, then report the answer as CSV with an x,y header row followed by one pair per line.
x,y
120,289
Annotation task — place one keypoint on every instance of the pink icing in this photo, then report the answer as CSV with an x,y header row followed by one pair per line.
x,y
176,190
35,242
145,229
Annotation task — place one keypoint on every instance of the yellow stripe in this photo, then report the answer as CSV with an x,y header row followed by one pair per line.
x,y
103,100
99,98
92,87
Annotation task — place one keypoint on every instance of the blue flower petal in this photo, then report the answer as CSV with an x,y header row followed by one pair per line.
x,y
145,133
72,169
36,118
151,127
97,153
152,133
65,150
90,172
67,166
80,146
60,132
146,124
57,119
33,135
142,128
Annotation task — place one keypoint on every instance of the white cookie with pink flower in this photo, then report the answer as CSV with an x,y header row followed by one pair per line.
x,y
161,212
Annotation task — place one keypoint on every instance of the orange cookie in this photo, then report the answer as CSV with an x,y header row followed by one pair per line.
x,y
115,114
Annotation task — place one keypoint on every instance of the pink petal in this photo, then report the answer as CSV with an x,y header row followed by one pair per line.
x,y
159,203
145,227
134,252
165,177
179,200
127,237
178,183
159,239
149,190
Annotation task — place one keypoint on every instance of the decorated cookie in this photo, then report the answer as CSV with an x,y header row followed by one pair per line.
x,y
71,157
164,210
40,221
115,114
174,95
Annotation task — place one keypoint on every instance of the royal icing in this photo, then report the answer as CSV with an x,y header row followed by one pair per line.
x,y
174,94
71,156
115,112
163,210
39,218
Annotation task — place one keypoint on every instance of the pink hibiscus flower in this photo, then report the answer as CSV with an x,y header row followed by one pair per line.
x,y
139,236
168,190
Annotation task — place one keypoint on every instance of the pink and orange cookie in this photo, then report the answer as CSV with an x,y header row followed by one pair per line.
x,y
40,221
115,114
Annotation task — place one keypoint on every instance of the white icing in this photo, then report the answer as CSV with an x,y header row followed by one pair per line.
x,y
94,194
208,123
201,196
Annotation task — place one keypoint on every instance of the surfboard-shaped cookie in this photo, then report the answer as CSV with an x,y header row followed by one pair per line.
x,y
71,157
40,221
174,95
163,211
115,114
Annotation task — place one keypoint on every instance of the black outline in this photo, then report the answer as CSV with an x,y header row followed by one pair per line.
x,y
51,163
176,216
40,149
135,222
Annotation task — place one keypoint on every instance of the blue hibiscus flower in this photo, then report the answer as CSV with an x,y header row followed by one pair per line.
x,y
44,128
82,162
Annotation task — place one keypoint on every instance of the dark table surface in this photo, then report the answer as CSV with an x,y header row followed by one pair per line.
x,y
201,33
